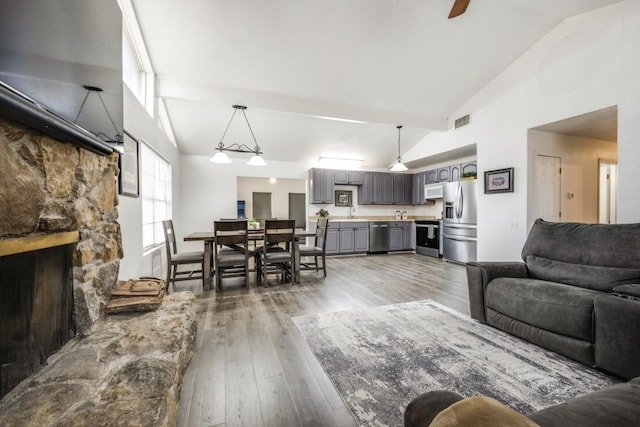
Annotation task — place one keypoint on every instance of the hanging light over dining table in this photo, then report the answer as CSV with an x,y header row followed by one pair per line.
x,y
221,156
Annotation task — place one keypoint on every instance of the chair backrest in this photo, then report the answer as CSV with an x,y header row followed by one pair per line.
x,y
230,232
169,238
279,231
321,233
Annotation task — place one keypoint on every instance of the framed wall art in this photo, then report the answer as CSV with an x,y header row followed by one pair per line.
x,y
498,181
344,198
129,179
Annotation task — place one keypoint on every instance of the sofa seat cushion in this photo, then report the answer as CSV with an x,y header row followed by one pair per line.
x,y
555,307
595,277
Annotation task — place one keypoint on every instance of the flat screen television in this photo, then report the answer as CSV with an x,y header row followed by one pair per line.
x,y
53,50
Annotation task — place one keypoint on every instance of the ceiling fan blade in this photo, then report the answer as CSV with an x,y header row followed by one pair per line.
x,y
459,7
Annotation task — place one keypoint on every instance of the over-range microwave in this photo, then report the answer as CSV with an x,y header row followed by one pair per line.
x,y
433,191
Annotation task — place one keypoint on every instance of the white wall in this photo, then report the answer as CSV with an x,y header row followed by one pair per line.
x,y
580,172
209,191
142,126
279,193
588,62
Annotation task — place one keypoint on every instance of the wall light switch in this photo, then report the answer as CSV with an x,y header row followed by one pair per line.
x,y
570,195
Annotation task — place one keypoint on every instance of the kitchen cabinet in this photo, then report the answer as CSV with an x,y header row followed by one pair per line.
x,y
417,196
408,235
321,186
365,191
402,189
431,176
347,237
454,173
382,188
395,236
345,177
468,168
362,239
333,244
443,174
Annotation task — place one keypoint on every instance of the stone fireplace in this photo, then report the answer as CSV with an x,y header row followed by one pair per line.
x,y
58,222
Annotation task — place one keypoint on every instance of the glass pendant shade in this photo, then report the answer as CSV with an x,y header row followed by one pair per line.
x,y
398,167
256,161
220,157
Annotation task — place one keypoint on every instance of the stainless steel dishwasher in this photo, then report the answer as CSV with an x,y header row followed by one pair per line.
x,y
378,236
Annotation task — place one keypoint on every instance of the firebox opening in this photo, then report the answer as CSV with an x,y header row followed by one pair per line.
x,y
36,311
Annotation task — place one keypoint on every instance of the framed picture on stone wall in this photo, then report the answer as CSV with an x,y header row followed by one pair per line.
x,y
129,178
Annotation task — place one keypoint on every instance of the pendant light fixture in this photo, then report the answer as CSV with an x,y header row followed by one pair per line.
x,y
221,156
117,142
398,166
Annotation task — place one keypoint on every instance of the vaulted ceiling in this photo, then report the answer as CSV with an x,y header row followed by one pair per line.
x,y
332,78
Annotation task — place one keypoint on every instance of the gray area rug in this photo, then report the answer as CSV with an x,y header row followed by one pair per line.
x,y
380,358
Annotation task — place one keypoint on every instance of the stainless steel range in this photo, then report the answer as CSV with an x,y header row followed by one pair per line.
x,y
428,237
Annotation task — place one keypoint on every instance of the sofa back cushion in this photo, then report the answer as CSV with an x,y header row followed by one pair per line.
x,y
594,277
605,245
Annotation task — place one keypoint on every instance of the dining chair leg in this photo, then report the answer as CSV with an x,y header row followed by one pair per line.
x,y
324,265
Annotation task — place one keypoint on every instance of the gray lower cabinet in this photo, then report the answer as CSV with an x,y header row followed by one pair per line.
x,y
333,242
402,236
347,238
395,237
409,235
362,239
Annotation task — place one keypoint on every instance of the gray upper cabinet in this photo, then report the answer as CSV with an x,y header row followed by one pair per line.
x,y
468,168
356,177
344,177
365,191
431,177
454,173
321,185
382,188
443,174
402,189
417,197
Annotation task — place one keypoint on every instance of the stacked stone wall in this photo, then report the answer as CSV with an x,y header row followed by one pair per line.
x,y
48,186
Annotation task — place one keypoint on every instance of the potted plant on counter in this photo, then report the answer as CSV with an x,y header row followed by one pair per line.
x,y
322,213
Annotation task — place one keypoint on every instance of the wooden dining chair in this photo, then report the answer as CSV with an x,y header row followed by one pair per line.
x,y
317,251
272,257
176,259
231,250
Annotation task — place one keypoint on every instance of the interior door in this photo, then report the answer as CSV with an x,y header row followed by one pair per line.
x,y
548,188
261,205
608,192
297,209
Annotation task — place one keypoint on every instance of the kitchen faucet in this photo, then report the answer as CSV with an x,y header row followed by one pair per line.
x,y
350,211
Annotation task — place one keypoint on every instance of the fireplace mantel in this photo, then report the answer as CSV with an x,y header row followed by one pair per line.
x,y
20,245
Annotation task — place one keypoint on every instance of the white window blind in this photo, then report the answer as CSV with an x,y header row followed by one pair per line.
x,y
155,191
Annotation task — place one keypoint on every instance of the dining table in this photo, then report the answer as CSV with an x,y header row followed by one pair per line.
x,y
209,239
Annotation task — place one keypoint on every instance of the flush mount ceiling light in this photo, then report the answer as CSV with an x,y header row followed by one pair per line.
x,y
221,156
398,166
335,163
117,142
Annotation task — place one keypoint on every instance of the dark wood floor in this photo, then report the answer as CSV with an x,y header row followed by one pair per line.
x,y
252,367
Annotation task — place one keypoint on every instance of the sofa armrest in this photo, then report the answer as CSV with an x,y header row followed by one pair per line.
x,y
424,408
631,290
479,274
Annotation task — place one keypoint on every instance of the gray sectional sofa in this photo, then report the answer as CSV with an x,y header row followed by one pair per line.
x,y
576,293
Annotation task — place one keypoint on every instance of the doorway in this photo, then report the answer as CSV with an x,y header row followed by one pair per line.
x,y
548,187
607,192
297,209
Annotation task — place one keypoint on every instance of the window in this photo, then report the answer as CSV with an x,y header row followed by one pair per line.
x,y
155,191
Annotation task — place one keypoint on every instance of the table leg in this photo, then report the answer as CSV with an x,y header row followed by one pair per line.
x,y
208,256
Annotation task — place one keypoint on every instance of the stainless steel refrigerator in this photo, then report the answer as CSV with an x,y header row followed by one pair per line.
x,y
460,234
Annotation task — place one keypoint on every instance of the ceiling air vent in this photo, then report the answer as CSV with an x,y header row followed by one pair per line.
x,y
462,121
